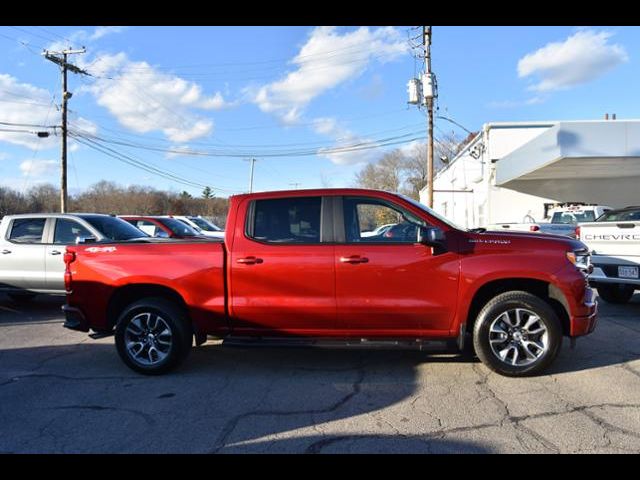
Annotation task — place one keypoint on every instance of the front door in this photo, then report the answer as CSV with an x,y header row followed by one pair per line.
x,y
388,284
282,269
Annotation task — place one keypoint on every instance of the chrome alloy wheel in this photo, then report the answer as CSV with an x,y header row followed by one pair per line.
x,y
518,337
148,339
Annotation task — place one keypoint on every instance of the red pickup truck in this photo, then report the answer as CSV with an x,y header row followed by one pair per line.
x,y
295,266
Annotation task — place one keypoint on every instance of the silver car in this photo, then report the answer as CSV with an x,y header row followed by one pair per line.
x,y
32,247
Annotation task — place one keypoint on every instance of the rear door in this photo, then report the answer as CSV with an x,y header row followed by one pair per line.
x,y
282,268
22,254
66,231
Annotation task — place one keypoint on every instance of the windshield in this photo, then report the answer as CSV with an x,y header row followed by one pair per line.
x,y
573,217
204,225
178,228
114,228
620,216
431,212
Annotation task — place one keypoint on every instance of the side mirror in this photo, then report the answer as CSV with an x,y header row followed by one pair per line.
x,y
432,236
82,239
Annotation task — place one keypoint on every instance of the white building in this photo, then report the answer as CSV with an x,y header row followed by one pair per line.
x,y
511,170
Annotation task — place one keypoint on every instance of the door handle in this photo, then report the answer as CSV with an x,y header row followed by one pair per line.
x,y
249,260
354,259
5,251
55,252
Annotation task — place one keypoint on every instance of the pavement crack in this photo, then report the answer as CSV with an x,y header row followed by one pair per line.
x,y
233,423
98,408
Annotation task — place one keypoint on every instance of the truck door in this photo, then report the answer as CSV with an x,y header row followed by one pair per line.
x,y
282,268
22,254
66,232
389,284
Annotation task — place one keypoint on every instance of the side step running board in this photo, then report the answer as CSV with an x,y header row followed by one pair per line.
x,y
404,344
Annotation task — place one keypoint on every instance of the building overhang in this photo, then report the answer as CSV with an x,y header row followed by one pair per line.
x,y
587,161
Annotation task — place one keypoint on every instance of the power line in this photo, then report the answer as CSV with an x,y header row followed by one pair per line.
x,y
166,174
27,125
364,145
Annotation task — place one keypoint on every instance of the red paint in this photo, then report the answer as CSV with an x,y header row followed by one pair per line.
x,y
328,290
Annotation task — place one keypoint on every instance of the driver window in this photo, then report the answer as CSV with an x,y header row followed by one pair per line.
x,y
373,221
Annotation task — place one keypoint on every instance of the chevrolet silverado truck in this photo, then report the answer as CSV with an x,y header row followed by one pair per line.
x,y
614,243
32,247
294,267
564,220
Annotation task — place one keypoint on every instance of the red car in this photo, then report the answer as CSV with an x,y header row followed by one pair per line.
x,y
294,266
162,227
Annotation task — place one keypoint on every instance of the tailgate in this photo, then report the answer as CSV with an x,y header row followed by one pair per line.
x,y
621,239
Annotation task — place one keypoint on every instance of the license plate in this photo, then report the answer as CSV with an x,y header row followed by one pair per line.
x,y
628,272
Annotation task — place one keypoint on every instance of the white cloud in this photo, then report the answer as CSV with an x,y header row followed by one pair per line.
x,y
582,57
83,37
38,168
144,99
326,60
343,138
100,32
22,103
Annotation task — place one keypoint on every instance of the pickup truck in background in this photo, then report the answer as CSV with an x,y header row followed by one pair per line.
x,y
563,220
295,267
32,248
614,243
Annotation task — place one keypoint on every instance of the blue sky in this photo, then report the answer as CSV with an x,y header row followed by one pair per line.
x,y
189,104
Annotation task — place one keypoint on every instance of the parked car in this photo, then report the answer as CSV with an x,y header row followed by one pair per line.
x,y
294,267
32,247
379,231
162,227
201,225
614,242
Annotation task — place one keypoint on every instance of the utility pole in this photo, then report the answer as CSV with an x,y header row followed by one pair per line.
x,y
253,162
428,93
66,95
295,185
423,92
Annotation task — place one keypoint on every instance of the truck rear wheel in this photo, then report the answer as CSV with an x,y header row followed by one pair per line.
x,y
153,335
615,292
517,334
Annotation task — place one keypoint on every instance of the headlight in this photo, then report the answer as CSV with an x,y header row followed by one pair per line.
x,y
582,260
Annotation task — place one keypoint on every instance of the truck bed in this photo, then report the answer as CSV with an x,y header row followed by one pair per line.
x,y
104,275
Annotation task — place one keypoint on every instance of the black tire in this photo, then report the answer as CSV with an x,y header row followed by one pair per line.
x,y
509,302
21,297
615,292
175,320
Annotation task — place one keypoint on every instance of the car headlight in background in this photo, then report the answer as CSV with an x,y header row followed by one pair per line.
x,y
582,260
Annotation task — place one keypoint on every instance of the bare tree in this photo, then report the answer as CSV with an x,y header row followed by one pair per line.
x,y
406,171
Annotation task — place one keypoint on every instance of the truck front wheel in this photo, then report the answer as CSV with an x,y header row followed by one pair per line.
x,y
615,292
153,336
517,334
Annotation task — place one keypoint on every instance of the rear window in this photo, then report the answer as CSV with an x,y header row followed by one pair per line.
x,y
620,216
573,217
287,220
27,230
114,228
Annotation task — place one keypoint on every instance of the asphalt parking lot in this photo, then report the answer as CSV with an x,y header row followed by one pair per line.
x,y
61,391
